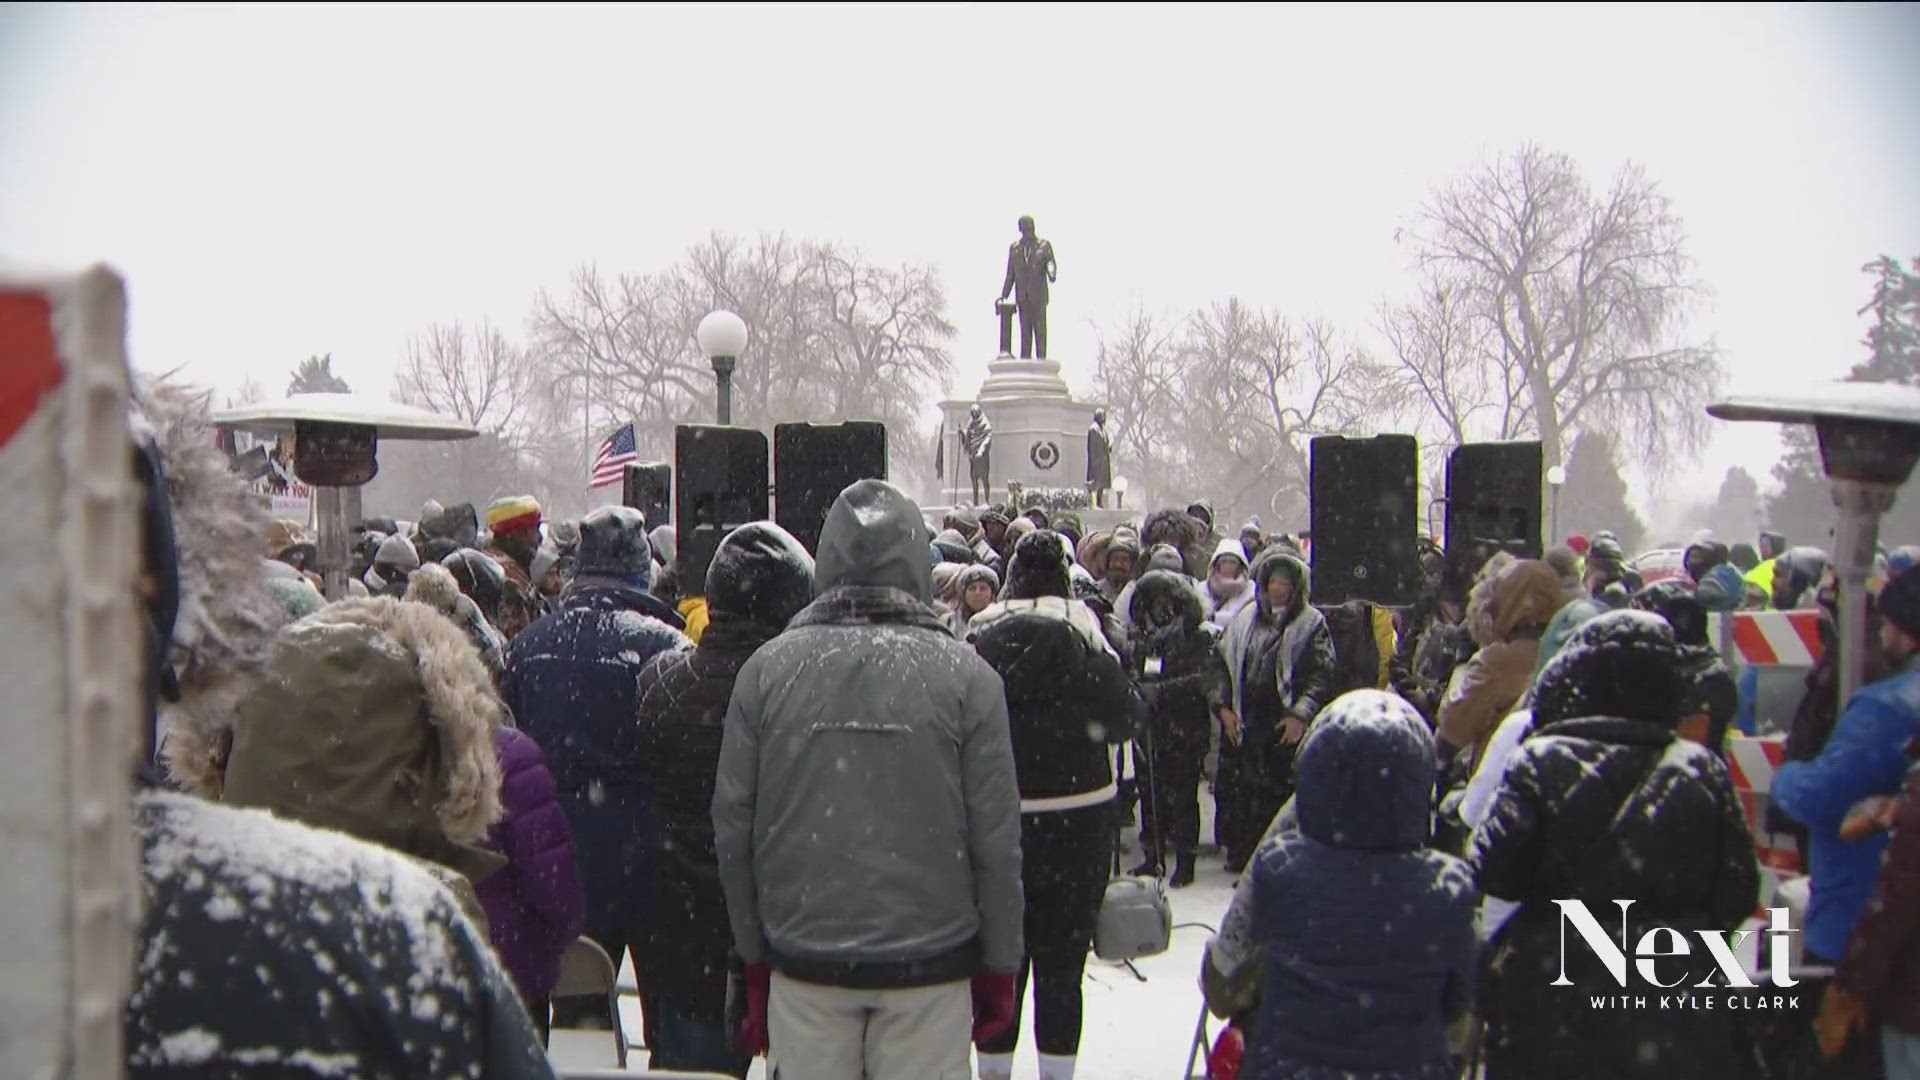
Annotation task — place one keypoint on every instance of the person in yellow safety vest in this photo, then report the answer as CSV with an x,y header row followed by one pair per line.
x,y
693,610
1772,546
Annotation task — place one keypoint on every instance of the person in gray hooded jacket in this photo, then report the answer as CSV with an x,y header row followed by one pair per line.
x,y
867,820
1280,658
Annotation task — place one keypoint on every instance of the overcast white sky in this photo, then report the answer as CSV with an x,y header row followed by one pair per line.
x,y
279,181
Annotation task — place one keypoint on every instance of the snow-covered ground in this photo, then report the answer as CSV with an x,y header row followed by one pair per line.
x,y
1132,1030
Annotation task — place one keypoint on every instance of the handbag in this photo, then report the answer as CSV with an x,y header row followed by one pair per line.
x,y
1136,917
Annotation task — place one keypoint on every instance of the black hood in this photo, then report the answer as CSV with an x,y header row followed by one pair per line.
x,y
1623,664
1160,585
760,574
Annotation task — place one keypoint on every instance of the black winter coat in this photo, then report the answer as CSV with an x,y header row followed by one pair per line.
x,y
1600,810
1180,670
271,949
1067,701
681,717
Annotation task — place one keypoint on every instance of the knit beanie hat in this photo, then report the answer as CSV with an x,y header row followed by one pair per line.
x,y
666,544
944,576
397,551
1900,602
1166,557
613,544
514,514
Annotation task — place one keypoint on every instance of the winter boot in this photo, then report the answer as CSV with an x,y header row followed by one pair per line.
x,y
1057,1066
1149,867
995,1066
1182,870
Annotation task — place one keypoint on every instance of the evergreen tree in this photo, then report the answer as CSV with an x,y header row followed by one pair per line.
x,y
1803,507
315,376
1595,495
1735,515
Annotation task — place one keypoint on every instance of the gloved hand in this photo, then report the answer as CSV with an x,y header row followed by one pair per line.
x,y
994,996
751,1039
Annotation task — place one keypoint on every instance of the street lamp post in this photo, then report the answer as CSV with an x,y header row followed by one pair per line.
x,y
1869,441
1556,479
722,337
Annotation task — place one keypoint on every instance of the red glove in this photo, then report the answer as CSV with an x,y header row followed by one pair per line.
x,y
752,1037
994,998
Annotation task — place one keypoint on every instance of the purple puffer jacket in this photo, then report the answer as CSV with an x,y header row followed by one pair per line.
x,y
536,904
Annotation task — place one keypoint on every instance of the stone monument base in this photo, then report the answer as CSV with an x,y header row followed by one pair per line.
x,y
1039,432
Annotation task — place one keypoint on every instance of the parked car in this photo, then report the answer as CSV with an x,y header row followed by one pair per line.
x,y
1659,564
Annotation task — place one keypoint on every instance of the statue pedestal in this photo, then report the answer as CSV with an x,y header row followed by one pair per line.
x,y
1039,431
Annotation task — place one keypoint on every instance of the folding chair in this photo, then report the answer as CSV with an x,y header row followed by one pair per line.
x,y
586,971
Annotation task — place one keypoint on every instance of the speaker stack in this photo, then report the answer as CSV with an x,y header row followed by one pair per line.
x,y
648,488
814,463
1493,502
723,485
1363,498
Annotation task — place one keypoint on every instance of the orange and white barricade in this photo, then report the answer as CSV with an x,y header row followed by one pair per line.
x,y
1768,638
1753,762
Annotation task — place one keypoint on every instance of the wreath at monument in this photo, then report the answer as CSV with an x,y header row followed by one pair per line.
x,y
1044,455
1052,500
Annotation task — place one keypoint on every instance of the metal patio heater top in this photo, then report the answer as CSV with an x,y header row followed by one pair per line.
x,y
336,443
1869,440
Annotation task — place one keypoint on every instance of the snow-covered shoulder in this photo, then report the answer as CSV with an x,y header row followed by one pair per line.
x,y
269,943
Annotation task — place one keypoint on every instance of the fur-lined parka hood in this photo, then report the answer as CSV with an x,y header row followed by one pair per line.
x,y
227,612
1513,597
377,719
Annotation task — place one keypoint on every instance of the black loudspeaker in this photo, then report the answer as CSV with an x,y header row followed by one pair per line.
x,y
814,463
1364,502
1493,502
723,485
649,489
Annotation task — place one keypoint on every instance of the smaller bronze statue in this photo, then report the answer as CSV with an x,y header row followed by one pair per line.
x,y
1099,459
1030,269
977,439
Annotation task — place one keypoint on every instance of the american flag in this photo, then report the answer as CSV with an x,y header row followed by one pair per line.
x,y
616,453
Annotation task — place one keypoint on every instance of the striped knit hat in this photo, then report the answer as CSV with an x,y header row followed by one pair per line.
x,y
516,514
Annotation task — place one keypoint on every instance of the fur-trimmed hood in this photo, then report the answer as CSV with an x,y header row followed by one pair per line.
x,y
1517,597
377,719
227,612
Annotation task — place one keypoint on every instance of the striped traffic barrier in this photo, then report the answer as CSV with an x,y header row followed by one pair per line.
x,y
1753,761
1768,638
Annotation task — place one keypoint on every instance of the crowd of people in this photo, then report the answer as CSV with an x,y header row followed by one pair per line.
x,y
847,807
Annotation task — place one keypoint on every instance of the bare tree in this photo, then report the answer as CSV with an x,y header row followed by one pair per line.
x,y
248,392
1585,292
470,373
1450,368
830,335
1137,374
1226,407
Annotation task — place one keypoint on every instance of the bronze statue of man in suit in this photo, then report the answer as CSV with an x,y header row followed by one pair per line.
x,y
1030,269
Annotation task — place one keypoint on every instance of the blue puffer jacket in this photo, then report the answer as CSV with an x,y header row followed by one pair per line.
x,y
1865,756
1367,937
572,682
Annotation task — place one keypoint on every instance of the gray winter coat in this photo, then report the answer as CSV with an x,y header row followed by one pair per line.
x,y
865,812
1306,645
